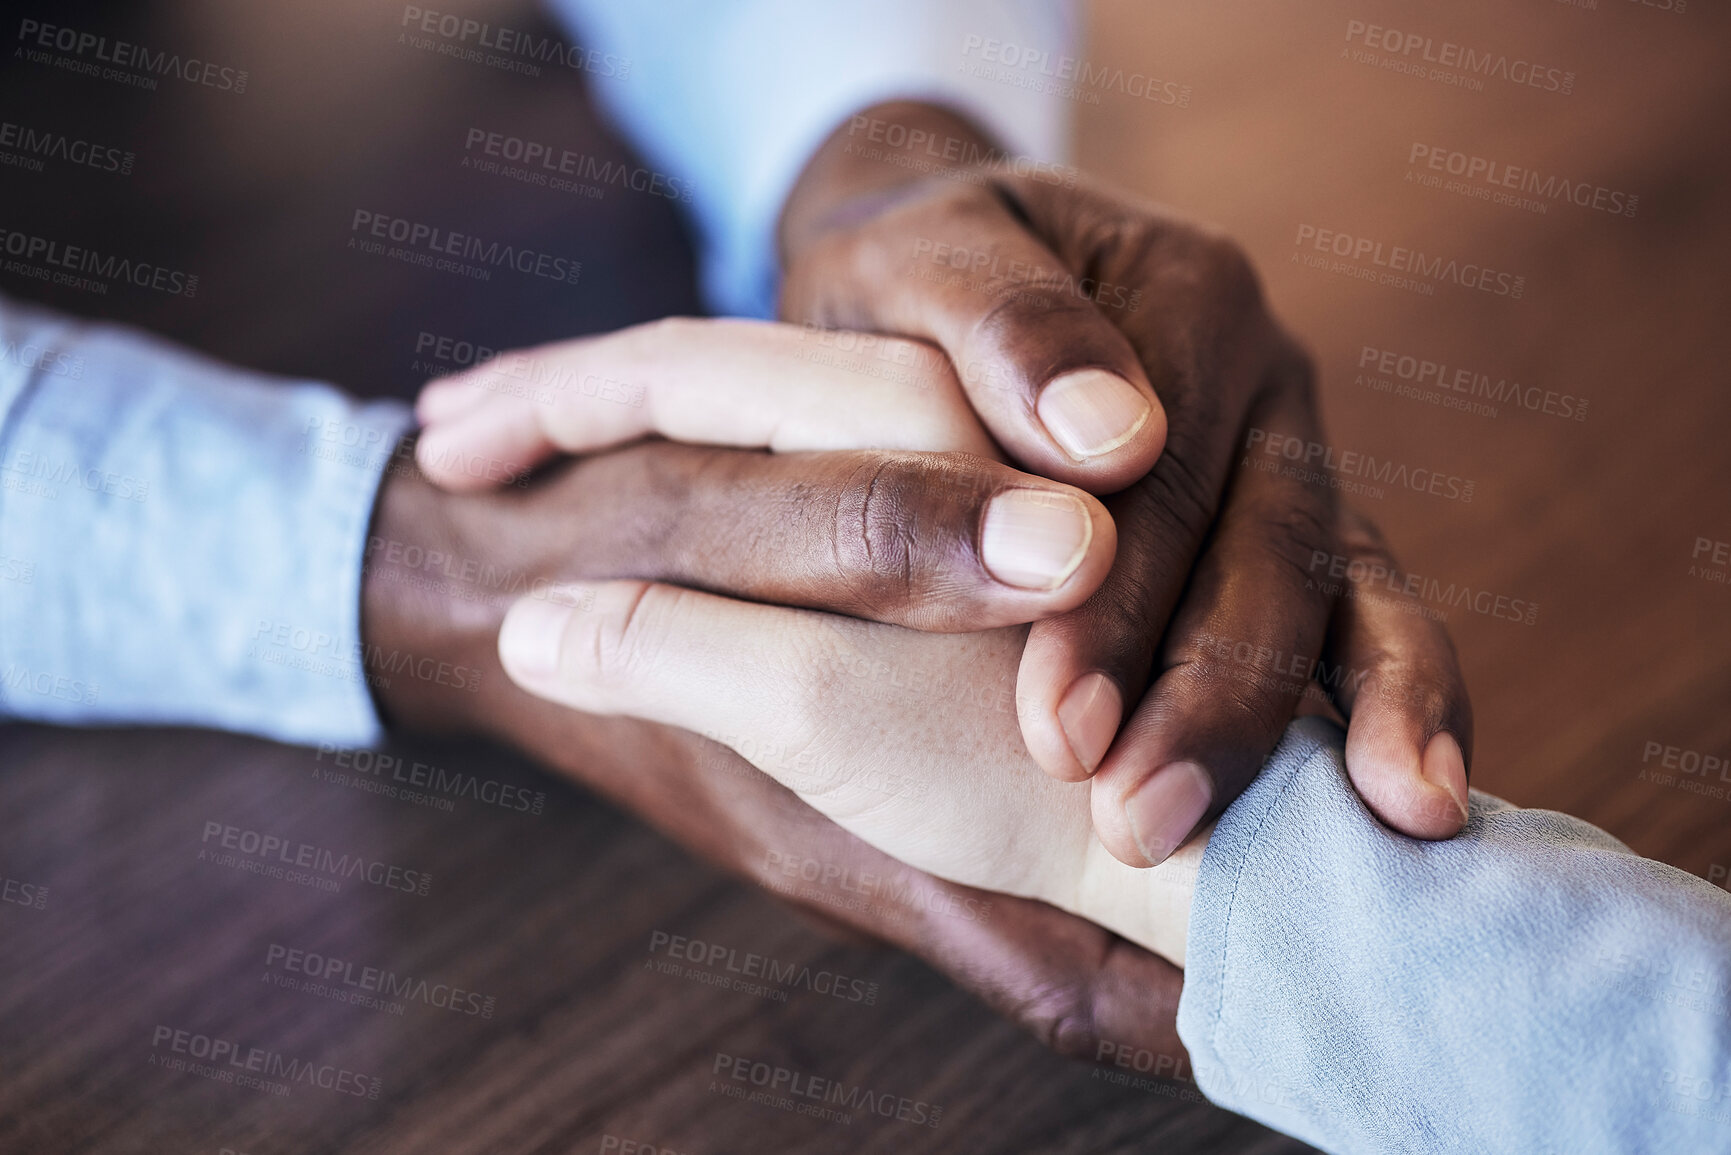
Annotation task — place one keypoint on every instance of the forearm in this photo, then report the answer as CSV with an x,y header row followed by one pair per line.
x,y
1150,906
193,533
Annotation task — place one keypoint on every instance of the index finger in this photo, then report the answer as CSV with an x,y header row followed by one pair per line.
x,y
735,383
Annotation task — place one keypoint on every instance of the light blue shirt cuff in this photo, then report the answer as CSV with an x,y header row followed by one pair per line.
x,y
733,98
1529,986
181,541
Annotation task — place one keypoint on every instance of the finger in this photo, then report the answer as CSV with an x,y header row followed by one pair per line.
x,y
1238,658
1054,381
747,384
707,664
1081,670
943,542
1409,737
1235,660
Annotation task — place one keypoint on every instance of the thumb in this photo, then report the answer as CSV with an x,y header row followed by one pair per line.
x,y
1058,385
735,672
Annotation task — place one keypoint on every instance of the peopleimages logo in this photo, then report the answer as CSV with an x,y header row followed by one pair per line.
x,y
370,987
39,39
396,772
727,961
42,358
1069,77
34,145
80,267
1374,577
1327,465
446,251
275,849
227,1061
502,47
1514,185
1400,266
1457,64
23,893
802,1093
543,163
1458,387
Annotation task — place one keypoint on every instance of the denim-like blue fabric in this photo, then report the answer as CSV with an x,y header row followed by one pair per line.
x,y
180,541
1530,986
732,98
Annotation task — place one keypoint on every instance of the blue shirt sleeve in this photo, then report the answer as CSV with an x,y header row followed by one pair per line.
x,y
180,541
732,98
1530,986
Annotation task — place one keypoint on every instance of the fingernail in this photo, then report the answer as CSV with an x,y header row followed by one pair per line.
x,y
1034,538
1443,766
1089,714
1166,808
1091,411
529,638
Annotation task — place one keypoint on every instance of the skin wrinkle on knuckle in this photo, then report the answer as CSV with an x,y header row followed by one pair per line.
x,y
1178,494
1290,535
1359,534
1414,685
1371,556
873,546
1223,696
1060,1015
628,646
1269,709
1156,546
1112,248
833,281
1021,306
1070,220
1124,623
599,653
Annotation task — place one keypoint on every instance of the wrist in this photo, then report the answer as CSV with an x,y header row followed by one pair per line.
x,y
873,161
1149,906
428,643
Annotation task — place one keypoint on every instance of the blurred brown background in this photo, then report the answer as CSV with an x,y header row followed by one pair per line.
x,y
1595,521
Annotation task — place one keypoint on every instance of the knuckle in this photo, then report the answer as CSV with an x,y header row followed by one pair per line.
x,y
1361,537
617,646
1408,689
1260,707
1125,620
1061,1016
874,540
1179,492
1292,535
1246,693
1033,303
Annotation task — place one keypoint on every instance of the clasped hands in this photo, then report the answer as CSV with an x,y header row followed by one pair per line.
x,y
810,543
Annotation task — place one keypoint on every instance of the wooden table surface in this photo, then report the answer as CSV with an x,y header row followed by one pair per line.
x,y
148,924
